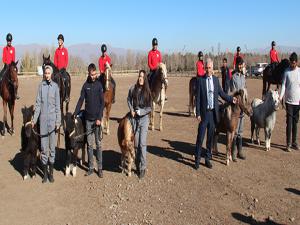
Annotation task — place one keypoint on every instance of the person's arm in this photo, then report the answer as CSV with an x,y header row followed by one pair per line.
x,y
101,108
57,108
4,55
80,100
282,91
129,100
55,58
222,94
37,109
151,66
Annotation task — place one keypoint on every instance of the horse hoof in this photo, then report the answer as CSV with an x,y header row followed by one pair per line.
x,y
25,177
152,128
33,176
74,171
129,174
258,143
227,162
68,169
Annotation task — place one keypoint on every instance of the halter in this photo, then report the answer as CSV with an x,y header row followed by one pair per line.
x,y
85,133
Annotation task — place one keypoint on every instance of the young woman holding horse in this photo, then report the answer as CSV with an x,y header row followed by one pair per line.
x,y
238,82
47,110
139,102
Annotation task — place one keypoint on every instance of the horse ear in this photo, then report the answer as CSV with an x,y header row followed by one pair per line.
x,y
48,57
17,62
43,56
31,108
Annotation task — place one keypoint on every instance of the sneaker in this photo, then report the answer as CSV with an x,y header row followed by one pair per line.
x,y
295,146
288,148
208,164
89,172
100,173
142,174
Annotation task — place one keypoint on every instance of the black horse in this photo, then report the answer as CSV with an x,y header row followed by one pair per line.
x,y
274,76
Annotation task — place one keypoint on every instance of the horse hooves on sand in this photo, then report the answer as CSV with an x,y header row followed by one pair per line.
x,y
74,171
25,177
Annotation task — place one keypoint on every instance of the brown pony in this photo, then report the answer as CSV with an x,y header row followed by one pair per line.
x,y
126,142
192,95
8,89
229,119
108,96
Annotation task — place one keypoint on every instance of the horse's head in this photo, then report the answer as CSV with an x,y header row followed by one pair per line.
x,y
70,122
13,74
243,101
46,61
273,96
162,71
108,75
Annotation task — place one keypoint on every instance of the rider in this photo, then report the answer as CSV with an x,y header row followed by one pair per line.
x,y
61,59
103,59
226,76
274,60
9,55
154,58
200,65
237,54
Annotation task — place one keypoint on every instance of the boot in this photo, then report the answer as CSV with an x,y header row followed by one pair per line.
x,y
234,150
142,174
51,179
45,171
241,154
100,173
114,95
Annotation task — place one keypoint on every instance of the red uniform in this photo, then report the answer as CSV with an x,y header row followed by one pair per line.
x,y
61,58
8,55
200,68
102,61
274,56
154,58
234,59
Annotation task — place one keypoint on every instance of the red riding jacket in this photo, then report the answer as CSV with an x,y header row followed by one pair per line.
x,y
200,68
154,58
61,58
234,59
274,56
102,61
8,54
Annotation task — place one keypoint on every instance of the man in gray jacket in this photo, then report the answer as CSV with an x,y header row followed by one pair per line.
x,y
47,110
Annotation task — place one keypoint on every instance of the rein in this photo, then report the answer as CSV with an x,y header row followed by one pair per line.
x,y
43,135
87,133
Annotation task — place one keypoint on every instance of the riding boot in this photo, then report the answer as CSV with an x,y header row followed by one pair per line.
x,y
234,150
51,179
45,172
241,154
114,91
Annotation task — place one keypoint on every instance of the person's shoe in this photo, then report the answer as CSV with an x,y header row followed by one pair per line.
x,y
197,163
142,174
100,173
295,146
45,172
89,172
17,97
241,153
288,148
208,164
51,179
234,151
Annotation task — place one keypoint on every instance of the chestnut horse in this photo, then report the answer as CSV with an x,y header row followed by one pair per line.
x,y
108,96
8,89
192,95
158,92
229,119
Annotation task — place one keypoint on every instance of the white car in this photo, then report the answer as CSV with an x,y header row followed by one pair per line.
x,y
259,68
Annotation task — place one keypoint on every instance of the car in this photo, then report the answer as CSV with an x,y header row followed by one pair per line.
x,y
259,68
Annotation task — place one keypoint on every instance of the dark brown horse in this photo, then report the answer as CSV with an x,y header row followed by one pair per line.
x,y
192,95
274,76
229,119
108,96
8,89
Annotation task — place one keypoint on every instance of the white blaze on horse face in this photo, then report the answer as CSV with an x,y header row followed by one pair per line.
x,y
275,96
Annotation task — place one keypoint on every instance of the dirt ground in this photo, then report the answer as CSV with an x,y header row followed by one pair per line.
x,y
266,185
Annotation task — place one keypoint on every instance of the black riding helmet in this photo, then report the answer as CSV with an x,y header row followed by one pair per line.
x,y
200,54
273,43
154,42
9,37
60,36
103,48
239,60
238,49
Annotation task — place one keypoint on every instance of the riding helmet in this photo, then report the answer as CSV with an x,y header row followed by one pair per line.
x,y
154,42
273,43
103,48
9,37
60,36
200,54
238,49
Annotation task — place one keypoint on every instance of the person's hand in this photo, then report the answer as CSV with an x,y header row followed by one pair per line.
x,y
138,112
98,122
235,100
32,124
199,118
57,127
132,113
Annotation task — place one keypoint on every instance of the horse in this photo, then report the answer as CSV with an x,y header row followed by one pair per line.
x,y
158,92
75,139
30,143
229,119
8,89
108,96
126,143
192,95
274,76
264,116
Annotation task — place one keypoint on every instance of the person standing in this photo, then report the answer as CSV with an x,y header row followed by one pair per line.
x,y
237,54
200,65
226,76
274,60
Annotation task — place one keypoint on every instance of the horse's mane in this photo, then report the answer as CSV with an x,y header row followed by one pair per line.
x,y
163,67
243,93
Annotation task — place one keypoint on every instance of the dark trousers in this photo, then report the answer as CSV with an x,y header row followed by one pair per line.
x,y
151,76
292,118
93,134
3,71
208,123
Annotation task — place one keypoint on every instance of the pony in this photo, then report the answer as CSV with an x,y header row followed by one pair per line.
x,y
229,119
192,95
264,116
158,92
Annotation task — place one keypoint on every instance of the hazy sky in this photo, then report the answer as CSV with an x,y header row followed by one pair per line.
x,y
179,25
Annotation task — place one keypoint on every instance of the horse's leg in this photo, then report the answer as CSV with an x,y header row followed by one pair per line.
x,y
264,88
11,111
107,118
34,162
152,116
26,164
5,117
252,130
267,137
161,111
228,147
216,137
130,162
257,135
74,162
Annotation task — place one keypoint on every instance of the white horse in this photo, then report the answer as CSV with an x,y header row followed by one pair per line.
x,y
264,116
158,92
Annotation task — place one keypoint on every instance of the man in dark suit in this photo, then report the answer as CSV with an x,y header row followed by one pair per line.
x,y
207,111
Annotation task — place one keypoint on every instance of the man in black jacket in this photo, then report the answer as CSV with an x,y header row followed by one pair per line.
x,y
207,110
92,94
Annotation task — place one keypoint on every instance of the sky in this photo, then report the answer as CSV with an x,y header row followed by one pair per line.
x,y
186,26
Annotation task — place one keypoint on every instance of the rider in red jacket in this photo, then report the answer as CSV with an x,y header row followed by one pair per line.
x,y
103,59
200,65
237,54
61,60
8,56
274,60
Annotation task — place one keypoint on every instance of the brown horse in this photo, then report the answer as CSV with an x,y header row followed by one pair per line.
x,y
158,92
192,95
126,142
274,76
108,96
229,119
8,89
